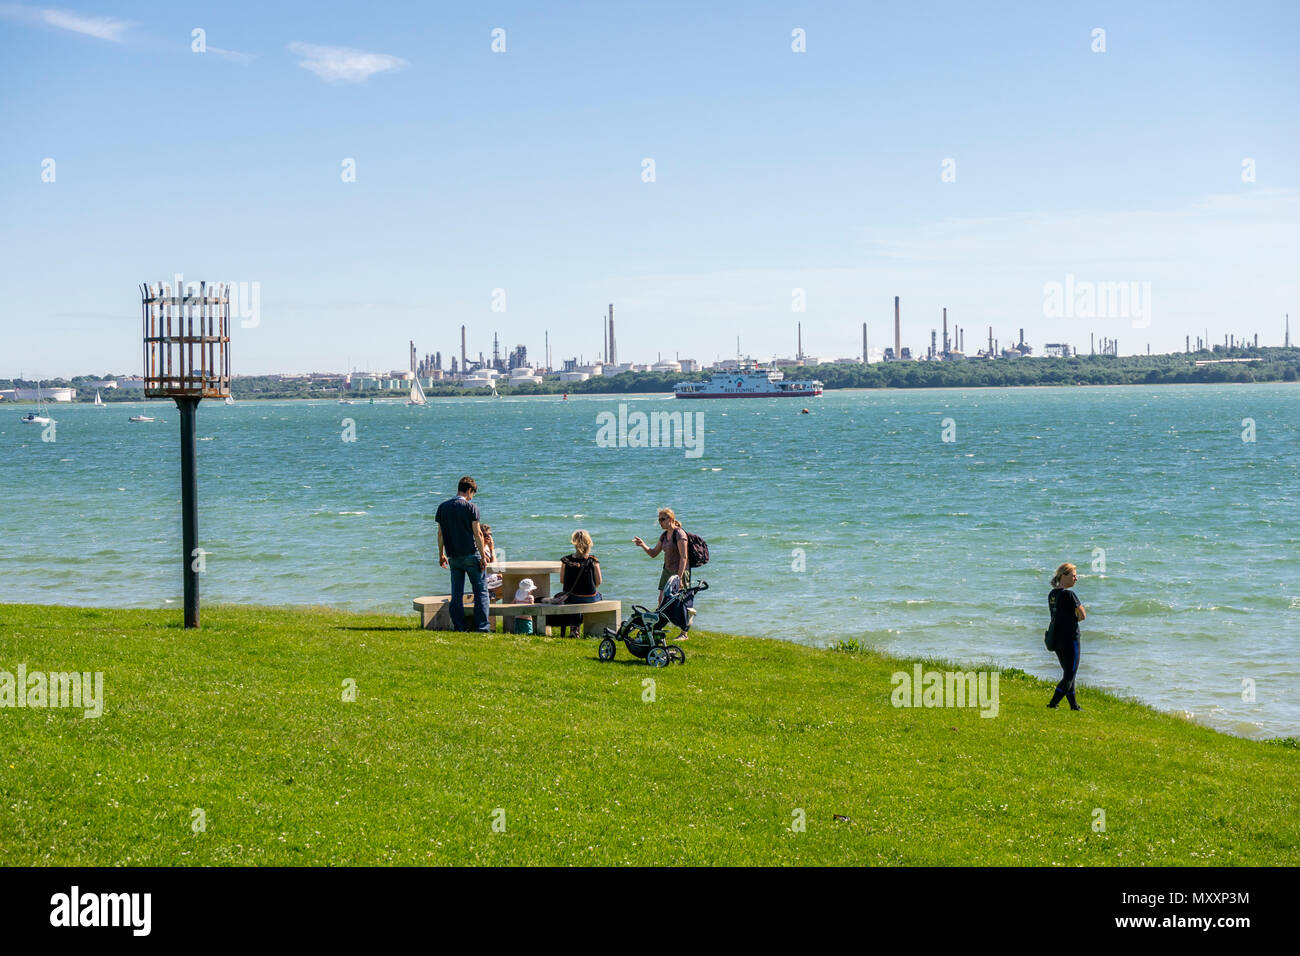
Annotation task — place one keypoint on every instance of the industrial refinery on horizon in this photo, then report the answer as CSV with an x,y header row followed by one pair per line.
x,y
512,367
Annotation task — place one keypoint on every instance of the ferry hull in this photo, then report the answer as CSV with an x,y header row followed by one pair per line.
x,y
810,393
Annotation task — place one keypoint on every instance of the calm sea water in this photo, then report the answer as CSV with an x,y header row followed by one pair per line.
x,y
1186,536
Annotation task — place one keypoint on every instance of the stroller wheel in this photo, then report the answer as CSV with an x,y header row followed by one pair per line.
x,y
657,656
606,649
675,653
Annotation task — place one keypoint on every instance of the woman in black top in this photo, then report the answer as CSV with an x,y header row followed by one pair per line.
x,y
579,581
1067,611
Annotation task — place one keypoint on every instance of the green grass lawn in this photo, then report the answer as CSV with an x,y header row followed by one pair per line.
x,y
449,733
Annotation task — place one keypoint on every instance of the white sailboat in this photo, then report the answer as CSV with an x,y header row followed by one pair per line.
x,y
229,401
417,396
42,415
99,402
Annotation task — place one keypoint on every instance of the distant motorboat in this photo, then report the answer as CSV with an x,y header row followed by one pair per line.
x,y
140,418
345,401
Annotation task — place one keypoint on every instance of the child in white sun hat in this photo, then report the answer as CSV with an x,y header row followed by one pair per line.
x,y
524,595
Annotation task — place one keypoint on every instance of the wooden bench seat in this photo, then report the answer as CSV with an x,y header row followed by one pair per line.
x,y
435,613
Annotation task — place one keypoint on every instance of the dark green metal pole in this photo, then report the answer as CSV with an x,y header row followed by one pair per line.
x,y
190,505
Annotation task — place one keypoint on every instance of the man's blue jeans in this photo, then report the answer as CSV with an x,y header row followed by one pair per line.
x,y
478,582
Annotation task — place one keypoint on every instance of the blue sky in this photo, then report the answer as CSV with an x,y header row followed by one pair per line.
x,y
523,171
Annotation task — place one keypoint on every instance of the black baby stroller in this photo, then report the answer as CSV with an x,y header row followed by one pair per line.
x,y
643,631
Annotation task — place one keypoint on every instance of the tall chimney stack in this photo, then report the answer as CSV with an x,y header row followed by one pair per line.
x,y
799,356
462,350
866,357
945,331
990,340
898,332
613,347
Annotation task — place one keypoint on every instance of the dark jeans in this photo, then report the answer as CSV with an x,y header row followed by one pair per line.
x,y
477,582
1067,652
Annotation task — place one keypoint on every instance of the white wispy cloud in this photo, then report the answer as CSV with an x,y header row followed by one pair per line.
x,y
241,58
337,64
105,28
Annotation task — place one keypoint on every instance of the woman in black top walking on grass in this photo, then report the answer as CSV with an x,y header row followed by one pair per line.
x,y
1067,611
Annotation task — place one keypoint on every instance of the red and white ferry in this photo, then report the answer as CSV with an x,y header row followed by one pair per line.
x,y
749,381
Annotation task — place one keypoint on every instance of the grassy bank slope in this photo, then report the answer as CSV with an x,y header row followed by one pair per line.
x,y
245,721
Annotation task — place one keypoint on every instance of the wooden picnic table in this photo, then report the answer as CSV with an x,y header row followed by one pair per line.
x,y
435,614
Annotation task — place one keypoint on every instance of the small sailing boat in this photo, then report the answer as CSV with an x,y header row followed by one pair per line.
x,y
99,402
42,415
417,396
229,400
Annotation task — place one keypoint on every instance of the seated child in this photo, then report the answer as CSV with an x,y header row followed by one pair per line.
x,y
492,580
524,595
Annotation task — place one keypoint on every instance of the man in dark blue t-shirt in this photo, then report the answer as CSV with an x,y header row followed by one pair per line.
x,y
460,548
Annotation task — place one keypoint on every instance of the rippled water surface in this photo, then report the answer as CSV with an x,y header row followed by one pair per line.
x,y
913,544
